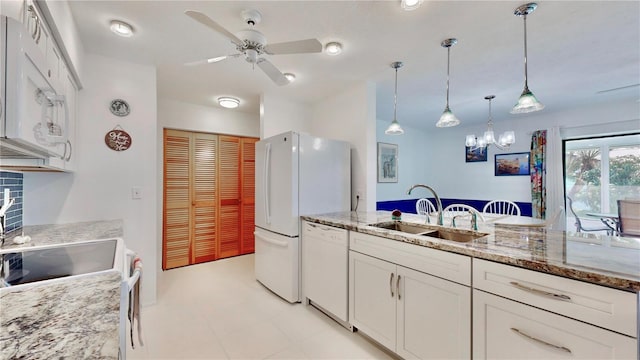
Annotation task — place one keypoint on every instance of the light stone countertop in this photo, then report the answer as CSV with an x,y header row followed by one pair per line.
x,y
603,260
74,317
56,234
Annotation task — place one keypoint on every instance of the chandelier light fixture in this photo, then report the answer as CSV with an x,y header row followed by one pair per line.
x,y
527,101
504,141
448,119
394,128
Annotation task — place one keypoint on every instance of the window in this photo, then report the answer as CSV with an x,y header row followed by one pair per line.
x,y
599,171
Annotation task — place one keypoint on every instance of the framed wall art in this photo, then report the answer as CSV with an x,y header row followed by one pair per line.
x,y
512,164
475,155
387,163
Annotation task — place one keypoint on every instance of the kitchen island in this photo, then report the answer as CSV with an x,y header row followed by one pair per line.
x,y
515,290
68,317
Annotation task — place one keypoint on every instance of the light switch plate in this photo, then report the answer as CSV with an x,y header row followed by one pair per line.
x,y
136,192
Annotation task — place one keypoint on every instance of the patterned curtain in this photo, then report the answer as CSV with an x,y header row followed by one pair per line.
x,y
538,174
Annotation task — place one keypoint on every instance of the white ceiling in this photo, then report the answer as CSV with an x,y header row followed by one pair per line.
x,y
575,50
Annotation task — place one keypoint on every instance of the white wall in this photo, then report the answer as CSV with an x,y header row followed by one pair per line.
x,y
278,115
452,177
351,116
100,188
413,165
183,116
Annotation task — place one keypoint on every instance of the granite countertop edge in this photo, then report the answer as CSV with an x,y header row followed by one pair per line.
x,y
58,234
474,249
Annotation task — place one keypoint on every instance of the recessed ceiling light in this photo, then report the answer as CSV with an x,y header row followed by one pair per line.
x,y
291,77
409,5
228,102
333,48
121,28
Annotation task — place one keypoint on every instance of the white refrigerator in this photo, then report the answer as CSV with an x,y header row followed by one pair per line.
x,y
296,174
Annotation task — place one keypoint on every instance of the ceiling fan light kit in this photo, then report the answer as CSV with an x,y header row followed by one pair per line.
x,y
448,119
505,140
333,48
395,128
527,102
121,28
228,102
252,44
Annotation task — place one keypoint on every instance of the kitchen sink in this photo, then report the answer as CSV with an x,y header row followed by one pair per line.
x,y
458,235
403,227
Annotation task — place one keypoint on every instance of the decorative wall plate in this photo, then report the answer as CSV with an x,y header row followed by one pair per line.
x,y
117,139
119,107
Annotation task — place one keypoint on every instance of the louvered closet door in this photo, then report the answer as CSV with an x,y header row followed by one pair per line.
x,y
247,186
177,205
229,192
204,197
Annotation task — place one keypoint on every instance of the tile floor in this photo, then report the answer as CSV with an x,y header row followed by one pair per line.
x,y
218,310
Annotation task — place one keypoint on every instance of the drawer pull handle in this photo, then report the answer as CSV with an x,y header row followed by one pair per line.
x,y
561,348
391,284
541,292
321,228
398,287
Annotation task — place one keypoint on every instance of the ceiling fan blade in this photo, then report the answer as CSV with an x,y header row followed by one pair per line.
x,y
294,47
211,60
272,72
205,20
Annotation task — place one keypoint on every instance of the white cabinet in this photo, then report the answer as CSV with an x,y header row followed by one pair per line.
x,y
434,317
325,263
372,299
505,329
414,314
523,314
71,95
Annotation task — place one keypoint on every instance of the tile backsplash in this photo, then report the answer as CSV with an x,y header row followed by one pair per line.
x,y
13,181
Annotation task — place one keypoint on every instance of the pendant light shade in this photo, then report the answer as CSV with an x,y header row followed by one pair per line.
x,y
395,128
448,119
527,101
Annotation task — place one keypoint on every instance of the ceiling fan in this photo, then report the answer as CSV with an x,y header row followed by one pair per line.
x,y
252,44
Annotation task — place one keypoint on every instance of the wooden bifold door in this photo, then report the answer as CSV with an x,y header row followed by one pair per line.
x,y
208,202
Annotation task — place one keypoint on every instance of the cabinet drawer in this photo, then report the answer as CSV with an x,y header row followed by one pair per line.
x,y
446,265
602,306
326,233
505,329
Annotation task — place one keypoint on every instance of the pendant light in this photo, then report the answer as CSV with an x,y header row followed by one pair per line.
x,y
504,141
448,119
394,128
527,101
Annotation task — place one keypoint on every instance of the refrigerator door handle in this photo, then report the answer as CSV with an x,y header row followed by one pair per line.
x,y
270,240
266,183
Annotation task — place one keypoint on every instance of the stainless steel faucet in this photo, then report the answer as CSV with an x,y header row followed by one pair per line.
x,y
438,202
474,220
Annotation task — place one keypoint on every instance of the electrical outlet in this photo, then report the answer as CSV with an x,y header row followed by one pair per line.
x,y
359,194
136,192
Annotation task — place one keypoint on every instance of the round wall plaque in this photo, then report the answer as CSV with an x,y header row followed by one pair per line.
x,y
119,107
117,139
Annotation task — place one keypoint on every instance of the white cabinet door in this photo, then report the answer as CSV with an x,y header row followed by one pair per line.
x,y
505,329
372,297
434,317
71,95
325,267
